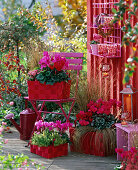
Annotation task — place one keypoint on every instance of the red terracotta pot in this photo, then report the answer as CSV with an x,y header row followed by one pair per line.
x,y
37,90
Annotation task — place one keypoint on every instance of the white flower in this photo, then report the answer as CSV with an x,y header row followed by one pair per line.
x,y
129,60
125,69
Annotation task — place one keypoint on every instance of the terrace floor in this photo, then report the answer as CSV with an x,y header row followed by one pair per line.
x,y
74,161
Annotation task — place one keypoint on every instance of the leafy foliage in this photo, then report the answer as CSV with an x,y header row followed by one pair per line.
x,y
74,13
130,32
47,138
52,76
11,161
19,29
9,88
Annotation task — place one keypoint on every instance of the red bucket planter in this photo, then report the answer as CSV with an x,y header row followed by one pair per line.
x,y
37,90
92,143
50,151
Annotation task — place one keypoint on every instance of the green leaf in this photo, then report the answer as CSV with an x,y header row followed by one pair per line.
x,y
127,78
135,59
114,10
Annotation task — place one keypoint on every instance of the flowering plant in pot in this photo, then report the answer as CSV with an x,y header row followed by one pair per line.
x,y
130,159
50,140
51,81
96,127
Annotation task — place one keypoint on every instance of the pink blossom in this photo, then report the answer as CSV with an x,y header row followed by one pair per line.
x,y
20,168
5,141
24,163
119,103
83,122
82,113
92,109
119,150
57,61
107,112
112,101
90,104
96,37
4,123
39,124
99,100
50,128
133,150
1,129
11,103
32,73
100,111
26,168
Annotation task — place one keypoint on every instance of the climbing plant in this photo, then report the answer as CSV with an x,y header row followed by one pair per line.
x,y
130,30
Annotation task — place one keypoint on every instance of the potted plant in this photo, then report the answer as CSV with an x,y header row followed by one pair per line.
x,y
93,43
50,139
129,159
94,133
50,80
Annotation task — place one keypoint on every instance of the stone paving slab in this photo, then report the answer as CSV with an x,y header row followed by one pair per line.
x,y
74,161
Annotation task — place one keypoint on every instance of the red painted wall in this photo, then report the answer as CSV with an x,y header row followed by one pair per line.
x,y
114,82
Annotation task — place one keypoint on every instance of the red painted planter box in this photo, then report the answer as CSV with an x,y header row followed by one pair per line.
x,y
50,151
37,90
33,148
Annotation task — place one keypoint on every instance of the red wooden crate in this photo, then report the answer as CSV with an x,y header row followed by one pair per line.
x,y
37,90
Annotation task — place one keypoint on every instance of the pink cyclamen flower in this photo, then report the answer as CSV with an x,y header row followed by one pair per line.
x,y
119,103
4,123
11,103
119,150
100,111
20,168
83,122
6,141
93,109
